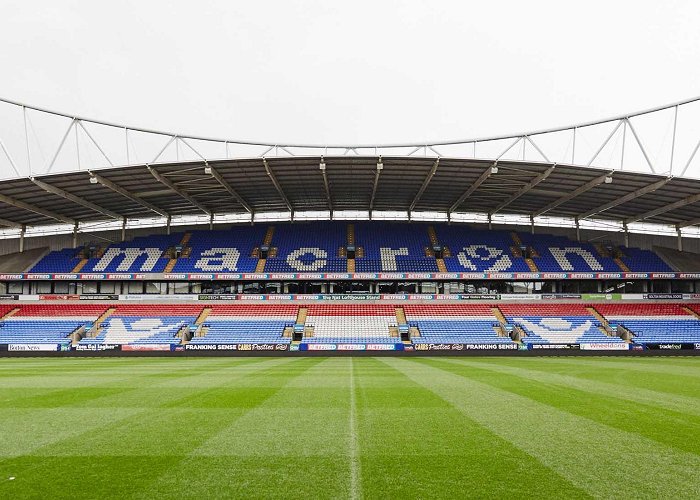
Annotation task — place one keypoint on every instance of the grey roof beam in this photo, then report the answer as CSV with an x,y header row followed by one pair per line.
x,y
485,175
577,192
279,189
76,199
665,208
9,223
424,186
177,190
37,210
126,194
691,222
624,199
217,176
527,187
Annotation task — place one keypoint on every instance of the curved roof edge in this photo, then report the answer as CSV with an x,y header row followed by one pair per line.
x,y
625,116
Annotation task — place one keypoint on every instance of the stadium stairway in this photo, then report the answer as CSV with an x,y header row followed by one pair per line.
x,y
518,253
173,260
80,265
604,252
622,265
434,242
605,325
203,316
99,251
201,329
402,328
267,241
96,327
10,313
76,335
300,328
501,329
691,312
351,242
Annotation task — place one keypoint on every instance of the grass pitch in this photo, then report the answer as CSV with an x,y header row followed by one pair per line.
x,y
350,427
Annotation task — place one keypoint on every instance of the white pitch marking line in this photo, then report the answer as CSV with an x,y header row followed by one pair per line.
x,y
355,489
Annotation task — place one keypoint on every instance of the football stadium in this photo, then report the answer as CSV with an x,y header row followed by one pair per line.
x,y
504,315
282,327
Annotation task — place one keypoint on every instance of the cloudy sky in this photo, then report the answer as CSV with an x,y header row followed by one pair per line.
x,y
350,72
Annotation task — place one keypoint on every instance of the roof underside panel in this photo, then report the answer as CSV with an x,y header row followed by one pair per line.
x,y
352,183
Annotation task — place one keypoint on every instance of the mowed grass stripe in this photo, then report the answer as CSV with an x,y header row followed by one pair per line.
x,y
47,419
681,366
618,377
84,388
603,461
161,425
281,426
414,444
663,425
280,447
27,429
682,404
104,440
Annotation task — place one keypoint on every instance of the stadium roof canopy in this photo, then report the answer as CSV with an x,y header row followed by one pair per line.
x,y
335,183
588,171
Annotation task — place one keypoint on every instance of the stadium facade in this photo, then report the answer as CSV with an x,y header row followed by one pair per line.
x,y
417,253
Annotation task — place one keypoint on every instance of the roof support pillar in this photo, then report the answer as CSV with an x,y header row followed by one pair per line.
x,y
75,235
211,221
167,225
627,234
680,238
489,216
532,225
21,237
578,229
124,229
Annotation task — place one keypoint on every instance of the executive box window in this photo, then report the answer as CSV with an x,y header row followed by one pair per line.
x,y
660,286
407,287
179,288
624,287
682,287
41,287
18,287
87,287
157,287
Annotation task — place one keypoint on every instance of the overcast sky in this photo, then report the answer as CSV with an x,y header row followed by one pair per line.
x,y
361,71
